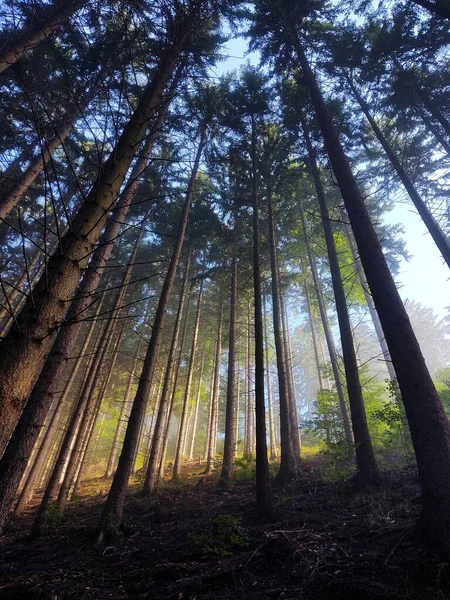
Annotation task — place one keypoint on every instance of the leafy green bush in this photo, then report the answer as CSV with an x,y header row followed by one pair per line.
x,y
245,468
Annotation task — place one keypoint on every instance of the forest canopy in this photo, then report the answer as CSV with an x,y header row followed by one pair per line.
x,y
199,266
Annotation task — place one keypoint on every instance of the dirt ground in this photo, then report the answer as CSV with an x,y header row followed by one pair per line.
x,y
328,542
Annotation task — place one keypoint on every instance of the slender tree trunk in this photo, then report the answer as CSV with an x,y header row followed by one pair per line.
x,y
27,490
365,458
435,231
432,128
197,405
14,461
313,336
162,417
330,342
187,392
430,429
26,345
264,500
238,407
113,510
32,38
163,451
230,411
59,466
90,414
248,405
273,445
209,421
288,465
215,394
371,307
296,437
123,414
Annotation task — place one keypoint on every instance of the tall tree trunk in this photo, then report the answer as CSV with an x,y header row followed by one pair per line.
x,y
187,392
288,464
329,339
59,466
371,307
273,444
209,421
432,128
264,500
430,429
296,437
313,335
32,38
26,345
238,406
169,384
26,493
113,509
248,404
165,441
435,231
215,394
230,411
90,413
123,414
365,458
197,406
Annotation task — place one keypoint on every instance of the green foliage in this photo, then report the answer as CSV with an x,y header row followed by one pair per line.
x,y
391,416
75,499
442,383
225,539
52,519
245,468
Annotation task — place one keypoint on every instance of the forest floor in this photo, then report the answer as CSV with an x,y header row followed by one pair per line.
x,y
328,542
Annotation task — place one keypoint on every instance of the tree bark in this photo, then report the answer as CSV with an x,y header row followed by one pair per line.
x,y
230,411
313,335
329,339
123,413
288,469
372,310
162,416
165,441
272,439
197,405
430,429
92,408
187,392
264,500
113,511
296,437
365,459
215,394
